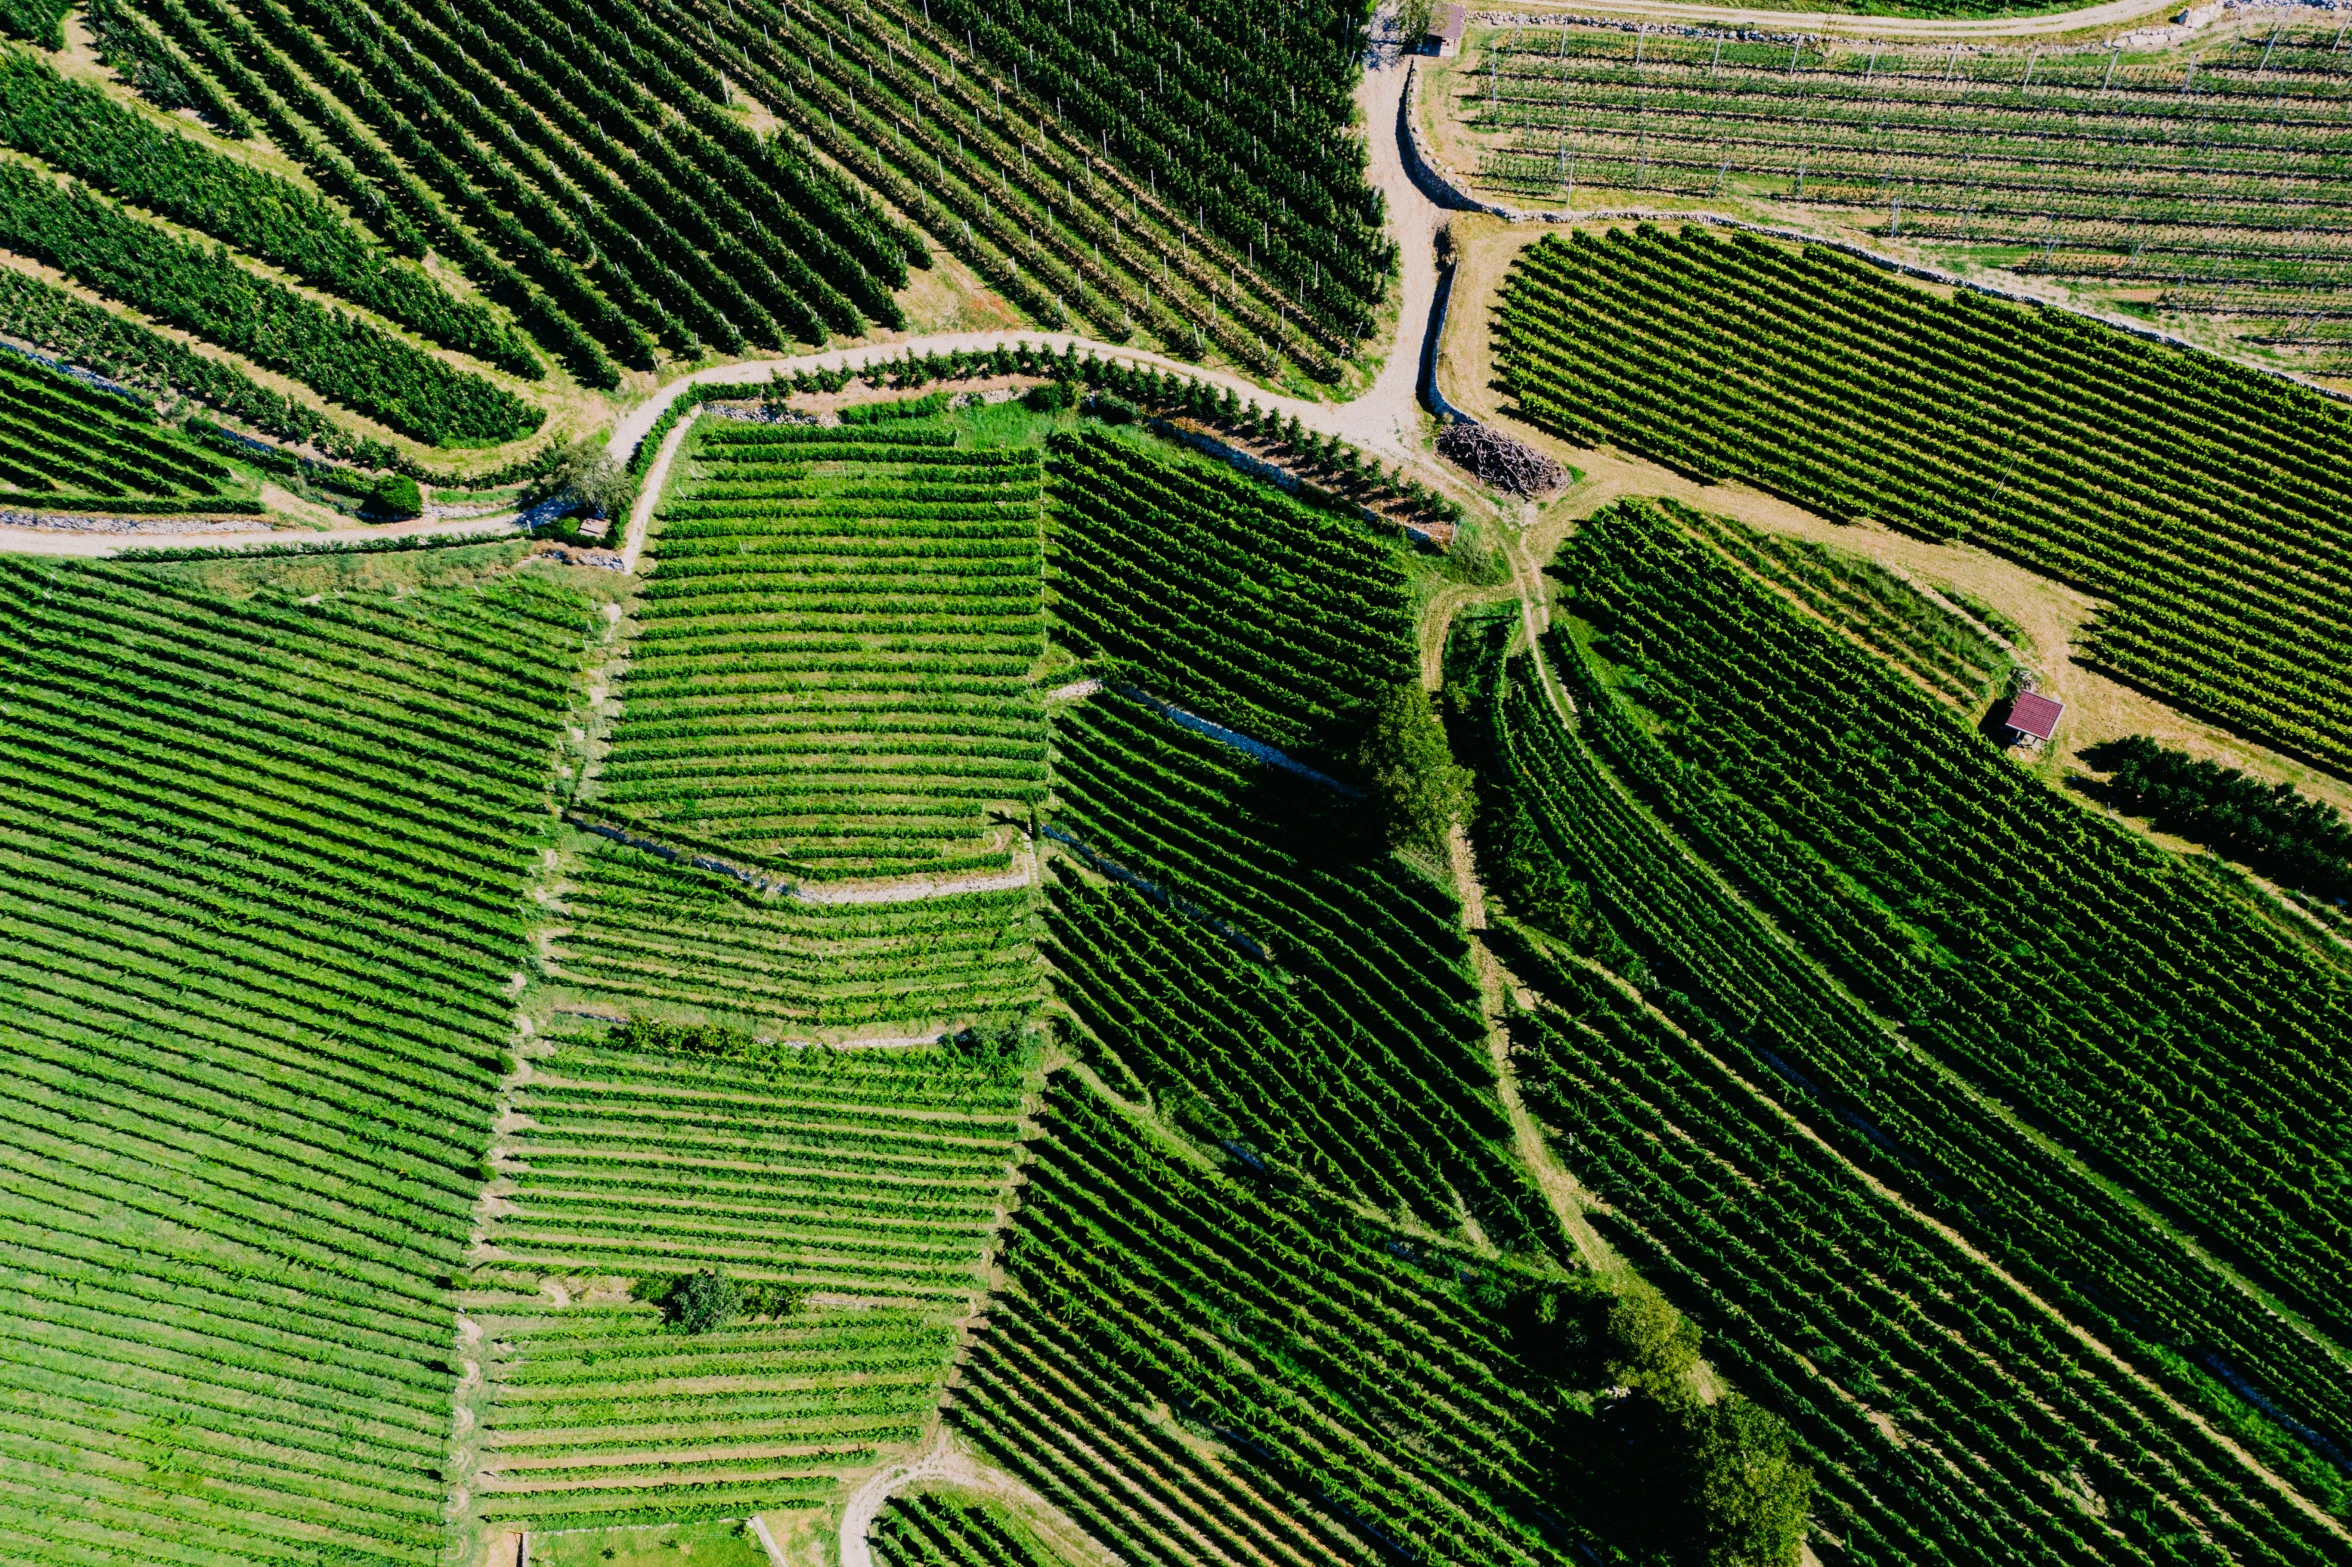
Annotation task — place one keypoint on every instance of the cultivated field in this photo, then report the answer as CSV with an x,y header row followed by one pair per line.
x,y
264,864
860,1184
2205,183
2043,437
830,673
1838,959
968,952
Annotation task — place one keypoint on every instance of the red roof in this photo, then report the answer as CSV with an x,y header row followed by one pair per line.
x,y
1448,22
2035,714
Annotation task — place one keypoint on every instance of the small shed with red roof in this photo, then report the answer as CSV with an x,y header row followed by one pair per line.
x,y
2033,717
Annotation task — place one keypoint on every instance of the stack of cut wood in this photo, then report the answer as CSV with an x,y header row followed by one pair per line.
x,y
1499,460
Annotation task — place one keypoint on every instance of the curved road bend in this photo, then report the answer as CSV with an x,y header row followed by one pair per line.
x,y
1385,420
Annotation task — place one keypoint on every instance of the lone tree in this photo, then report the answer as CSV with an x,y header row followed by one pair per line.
x,y
1704,1484
1420,789
396,495
1751,1497
702,1300
1651,1346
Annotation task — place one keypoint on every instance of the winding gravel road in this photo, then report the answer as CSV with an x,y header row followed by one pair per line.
x,y
1385,419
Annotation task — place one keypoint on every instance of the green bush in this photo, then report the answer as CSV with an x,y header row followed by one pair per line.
x,y
396,496
1410,771
1052,397
1750,1497
35,21
700,1301
1651,1346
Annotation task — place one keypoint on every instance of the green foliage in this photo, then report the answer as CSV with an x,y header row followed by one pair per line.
x,y
717,238
98,339
585,470
655,1036
1052,397
1312,993
1353,1387
870,1176
2304,843
77,128
1005,1048
156,68
867,591
1222,595
1874,605
396,496
1751,1497
923,1530
332,914
35,21
1419,789
1679,1118
208,294
65,443
1651,1347
645,931
700,1301
902,408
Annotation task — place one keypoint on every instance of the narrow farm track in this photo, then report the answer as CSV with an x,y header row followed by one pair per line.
x,y
1386,420
1822,1150
649,494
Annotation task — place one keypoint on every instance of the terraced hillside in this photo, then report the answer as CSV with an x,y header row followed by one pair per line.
x,y
264,865
1198,1365
2045,437
831,671
67,443
855,1188
1838,980
1232,927
2200,184
653,938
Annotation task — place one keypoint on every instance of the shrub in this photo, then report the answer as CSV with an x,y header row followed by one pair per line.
x,y
1052,397
1411,772
700,1301
1750,1496
1651,1346
396,496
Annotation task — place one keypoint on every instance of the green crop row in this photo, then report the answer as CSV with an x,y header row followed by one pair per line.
x,y
1600,857
76,128
1359,1404
2040,435
342,358
262,885
817,1172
